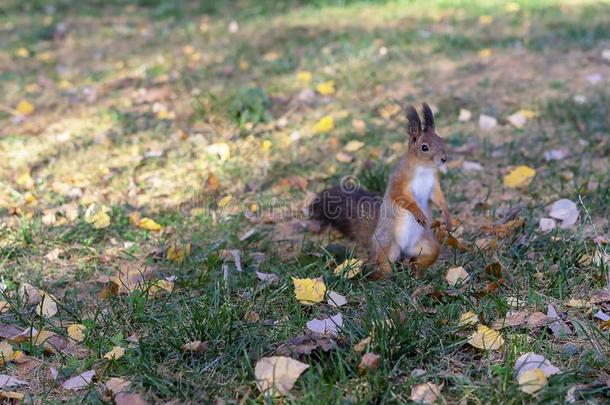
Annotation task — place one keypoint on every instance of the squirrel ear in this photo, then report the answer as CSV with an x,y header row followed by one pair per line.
x,y
428,118
414,127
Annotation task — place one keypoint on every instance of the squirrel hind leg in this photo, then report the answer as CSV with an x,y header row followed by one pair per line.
x,y
426,253
383,257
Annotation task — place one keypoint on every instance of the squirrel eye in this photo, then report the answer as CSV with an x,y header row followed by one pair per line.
x,y
425,148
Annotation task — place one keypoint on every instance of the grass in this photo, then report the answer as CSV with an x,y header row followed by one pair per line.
x,y
130,98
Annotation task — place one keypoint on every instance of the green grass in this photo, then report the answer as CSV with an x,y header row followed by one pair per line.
x,y
116,148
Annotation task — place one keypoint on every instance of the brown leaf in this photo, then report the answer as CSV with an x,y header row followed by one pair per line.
x,y
363,344
79,382
124,398
494,269
503,230
116,385
306,344
196,346
537,320
370,362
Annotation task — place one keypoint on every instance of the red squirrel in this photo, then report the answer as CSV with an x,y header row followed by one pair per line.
x,y
396,225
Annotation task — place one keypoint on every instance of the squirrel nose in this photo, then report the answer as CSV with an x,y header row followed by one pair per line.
x,y
444,160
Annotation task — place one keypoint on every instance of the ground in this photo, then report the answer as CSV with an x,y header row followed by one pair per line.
x,y
209,120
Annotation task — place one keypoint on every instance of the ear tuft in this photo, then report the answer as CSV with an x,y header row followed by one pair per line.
x,y
414,127
428,118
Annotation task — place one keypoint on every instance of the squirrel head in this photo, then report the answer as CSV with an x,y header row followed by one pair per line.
x,y
425,146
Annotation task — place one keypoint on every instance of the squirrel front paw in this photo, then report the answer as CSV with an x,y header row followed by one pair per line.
x,y
446,223
421,219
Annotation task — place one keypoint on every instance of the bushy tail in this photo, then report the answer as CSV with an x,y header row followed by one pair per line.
x,y
353,212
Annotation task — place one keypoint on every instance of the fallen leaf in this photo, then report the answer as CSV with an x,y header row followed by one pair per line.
x,y
464,115
469,166
350,268
564,210
304,77
7,381
79,382
335,299
359,126
556,154
456,275
487,122
343,157
530,361
538,319
512,318
116,385
221,150
324,125
149,225
48,305
353,146
427,393
6,352
25,108
97,215
267,278
532,381
116,353
195,346
12,395
277,374
468,318
519,118
326,88
369,363
519,177
576,303
363,344
308,290
546,225
177,252
557,326
328,326
77,332
600,296
486,338
306,344
125,398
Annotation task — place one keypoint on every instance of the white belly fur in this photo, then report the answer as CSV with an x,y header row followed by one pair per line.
x,y
408,231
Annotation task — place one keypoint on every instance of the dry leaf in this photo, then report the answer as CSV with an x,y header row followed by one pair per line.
x,y
350,268
564,210
7,381
556,154
12,395
324,125
97,215
149,225
48,305
116,385
487,122
486,338
363,344
456,275
575,303
222,150
6,352
519,118
267,278
326,88
343,157
465,115
469,166
77,332
538,319
335,299
306,344
79,382
304,78
512,318
557,326
116,353
25,108
308,290
124,398
532,381
530,361
176,252
195,346
519,177
546,225
329,326
277,374
428,393
353,146
468,318
369,363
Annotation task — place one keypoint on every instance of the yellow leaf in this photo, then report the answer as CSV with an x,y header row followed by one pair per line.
x,y
97,215
532,381
271,56
519,177
162,285
6,352
116,353
176,253
468,318
326,124
224,201
428,393
485,53
12,395
350,268
512,7
25,180
574,303
304,78
486,338
308,290
277,374
486,19
25,107
22,52
149,225
221,149
77,332
353,146
326,88
266,145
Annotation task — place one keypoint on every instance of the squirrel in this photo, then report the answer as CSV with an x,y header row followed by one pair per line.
x,y
396,225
